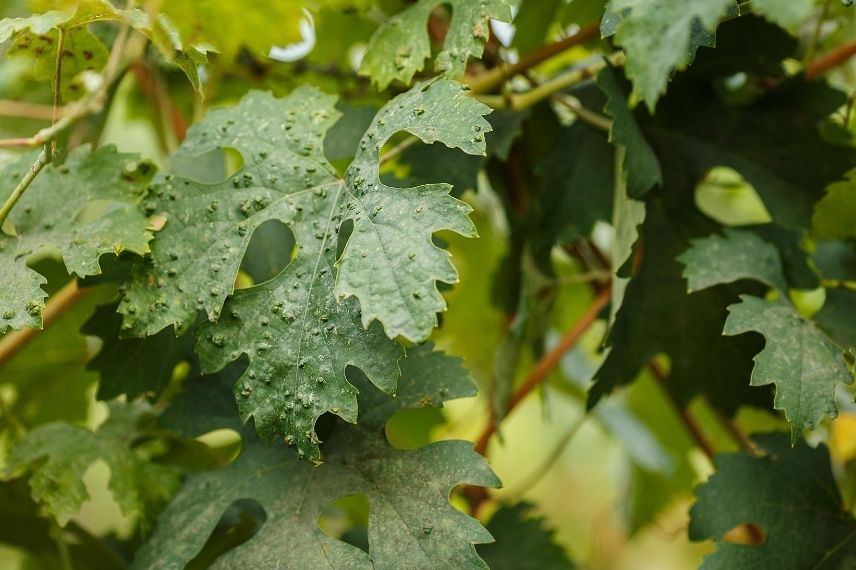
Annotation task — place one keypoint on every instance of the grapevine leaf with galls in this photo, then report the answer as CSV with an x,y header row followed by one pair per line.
x,y
798,358
84,208
300,329
57,455
400,46
411,523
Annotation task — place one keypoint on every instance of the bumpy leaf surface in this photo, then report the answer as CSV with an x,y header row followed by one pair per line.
x,y
84,208
523,542
730,257
411,525
57,455
660,36
798,358
641,166
300,329
400,47
790,494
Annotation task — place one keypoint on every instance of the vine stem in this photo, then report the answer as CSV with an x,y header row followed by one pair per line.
x,y
690,422
50,146
61,302
486,81
831,60
41,161
61,546
546,364
25,109
524,100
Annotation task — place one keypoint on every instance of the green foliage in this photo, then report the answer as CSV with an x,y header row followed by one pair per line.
x,y
803,363
660,36
98,216
399,48
238,363
411,524
57,455
805,497
522,542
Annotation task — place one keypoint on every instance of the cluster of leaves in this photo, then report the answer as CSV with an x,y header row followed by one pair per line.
x,y
277,272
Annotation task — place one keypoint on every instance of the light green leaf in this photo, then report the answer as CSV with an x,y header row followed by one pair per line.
x,y
84,208
727,258
790,494
835,213
82,52
786,13
798,358
77,16
57,455
399,48
659,36
641,167
226,27
411,523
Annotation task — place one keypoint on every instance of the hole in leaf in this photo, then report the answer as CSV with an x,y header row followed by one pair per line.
x,y
728,198
211,167
239,523
271,249
418,163
748,534
344,235
347,519
412,428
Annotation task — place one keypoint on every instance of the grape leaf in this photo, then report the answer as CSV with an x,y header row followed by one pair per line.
x,y
786,13
640,165
286,324
82,51
285,172
399,48
57,455
798,358
226,27
84,208
523,542
577,186
125,365
411,523
791,494
34,33
835,212
735,255
659,36
658,316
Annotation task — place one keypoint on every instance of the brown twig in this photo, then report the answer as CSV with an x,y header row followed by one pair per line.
x,y
690,422
833,59
486,81
546,364
61,302
26,110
